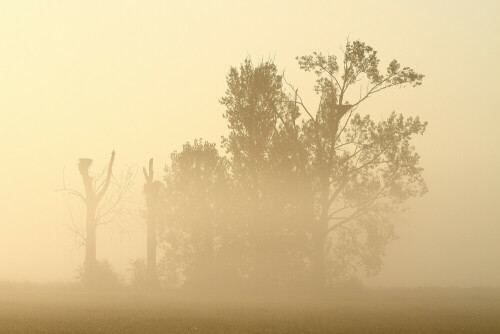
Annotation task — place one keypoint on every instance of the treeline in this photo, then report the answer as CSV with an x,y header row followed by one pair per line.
x,y
298,197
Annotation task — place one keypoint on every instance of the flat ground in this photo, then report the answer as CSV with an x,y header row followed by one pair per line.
x,y
67,310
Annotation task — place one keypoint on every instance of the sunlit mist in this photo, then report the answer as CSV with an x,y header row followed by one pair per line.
x,y
250,166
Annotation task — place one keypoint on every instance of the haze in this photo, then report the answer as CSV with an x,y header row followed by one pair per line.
x,y
80,79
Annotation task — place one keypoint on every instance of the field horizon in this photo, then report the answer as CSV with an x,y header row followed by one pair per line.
x,y
28,308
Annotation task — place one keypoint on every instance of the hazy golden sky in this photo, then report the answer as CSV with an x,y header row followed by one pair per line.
x,y
81,78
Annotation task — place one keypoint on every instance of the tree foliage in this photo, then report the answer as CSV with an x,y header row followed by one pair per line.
x,y
303,198
195,183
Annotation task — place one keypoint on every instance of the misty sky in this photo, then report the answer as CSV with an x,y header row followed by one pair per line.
x,y
81,78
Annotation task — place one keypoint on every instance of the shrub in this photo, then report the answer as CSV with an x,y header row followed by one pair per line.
x,y
102,276
138,273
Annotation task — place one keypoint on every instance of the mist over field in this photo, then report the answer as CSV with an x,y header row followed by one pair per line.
x,y
249,166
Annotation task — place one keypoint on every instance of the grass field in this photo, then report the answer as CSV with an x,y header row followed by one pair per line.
x,y
66,310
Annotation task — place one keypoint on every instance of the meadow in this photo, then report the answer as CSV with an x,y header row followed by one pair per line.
x,y
29,309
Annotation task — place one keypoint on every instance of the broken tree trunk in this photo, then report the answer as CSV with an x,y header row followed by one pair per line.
x,y
152,194
92,198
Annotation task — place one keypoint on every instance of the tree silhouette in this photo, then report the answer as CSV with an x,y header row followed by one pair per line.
x,y
334,174
252,99
92,199
101,207
152,193
195,185
302,199
359,170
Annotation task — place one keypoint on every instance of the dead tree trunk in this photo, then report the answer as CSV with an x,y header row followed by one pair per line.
x,y
91,199
152,194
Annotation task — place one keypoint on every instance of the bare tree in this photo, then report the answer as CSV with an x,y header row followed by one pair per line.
x,y
101,205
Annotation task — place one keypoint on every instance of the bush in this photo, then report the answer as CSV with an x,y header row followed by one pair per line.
x,y
138,273
102,276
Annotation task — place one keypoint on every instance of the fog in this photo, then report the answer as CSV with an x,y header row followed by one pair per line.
x,y
83,79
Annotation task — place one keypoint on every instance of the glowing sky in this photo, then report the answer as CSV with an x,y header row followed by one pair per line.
x,y
81,78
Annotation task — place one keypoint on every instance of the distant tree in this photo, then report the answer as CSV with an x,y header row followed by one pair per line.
x,y
101,207
289,201
139,274
102,276
195,231
252,99
359,171
152,193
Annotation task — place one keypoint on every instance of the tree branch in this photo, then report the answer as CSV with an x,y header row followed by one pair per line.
x,y
108,178
297,96
72,192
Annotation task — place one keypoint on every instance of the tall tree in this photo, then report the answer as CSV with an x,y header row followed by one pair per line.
x,y
195,184
92,198
102,206
251,101
289,201
359,170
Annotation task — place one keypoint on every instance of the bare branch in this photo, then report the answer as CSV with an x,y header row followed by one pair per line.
x,y
80,238
112,206
108,177
297,96
72,192
361,209
352,109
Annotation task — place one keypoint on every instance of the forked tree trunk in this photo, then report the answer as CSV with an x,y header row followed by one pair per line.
x,y
92,198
